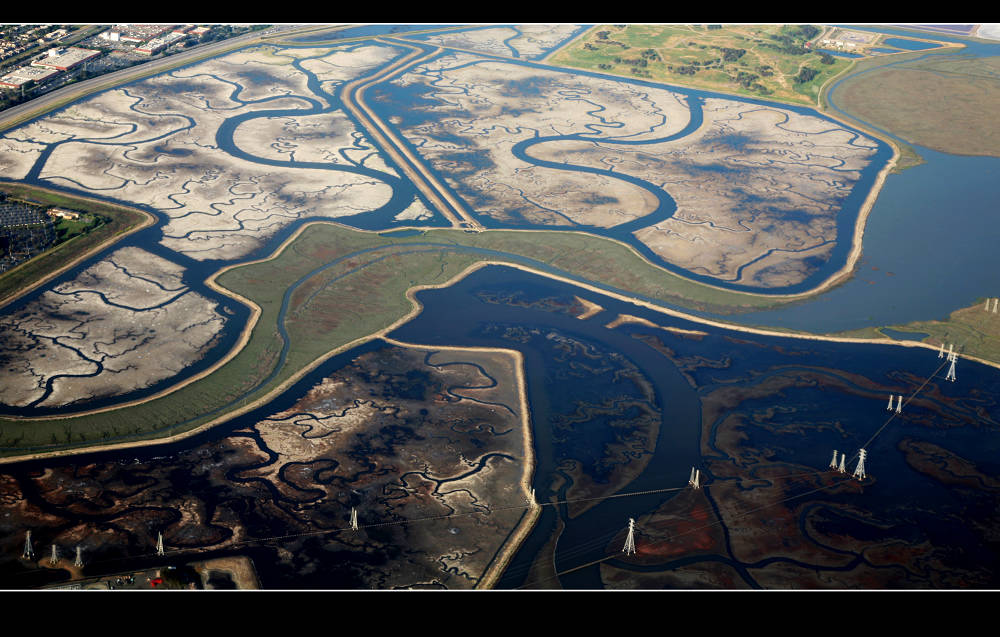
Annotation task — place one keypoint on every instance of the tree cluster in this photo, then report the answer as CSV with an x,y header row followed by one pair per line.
x,y
806,75
731,55
632,61
683,70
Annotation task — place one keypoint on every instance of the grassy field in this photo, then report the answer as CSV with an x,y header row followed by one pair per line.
x,y
972,330
767,61
610,264
118,221
946,103
374,291
347,301
360,291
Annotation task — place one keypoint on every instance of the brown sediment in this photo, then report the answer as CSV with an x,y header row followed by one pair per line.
x,y
590,308
236,349
240,568
500,561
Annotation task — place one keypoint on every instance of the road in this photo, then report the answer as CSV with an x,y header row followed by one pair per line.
x,y
352,97
22,112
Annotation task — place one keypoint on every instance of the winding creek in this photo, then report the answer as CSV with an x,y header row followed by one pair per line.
x,y
832,395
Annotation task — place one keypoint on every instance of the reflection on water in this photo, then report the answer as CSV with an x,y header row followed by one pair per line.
x,y
618,405
760,416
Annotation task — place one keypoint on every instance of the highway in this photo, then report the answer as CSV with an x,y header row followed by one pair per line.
x,y
23,112
439,196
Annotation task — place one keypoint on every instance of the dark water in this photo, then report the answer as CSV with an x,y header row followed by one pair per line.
x,y
904,336
586,391
922,272
458,315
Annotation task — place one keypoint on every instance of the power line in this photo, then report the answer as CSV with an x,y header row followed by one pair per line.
x,y
693,482
860,455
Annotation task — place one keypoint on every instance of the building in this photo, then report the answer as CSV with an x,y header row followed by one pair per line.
x,y
156,45
63,213
135,33
25,75
64,59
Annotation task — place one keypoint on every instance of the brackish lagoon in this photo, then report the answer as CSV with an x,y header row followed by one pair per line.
x,y
633,407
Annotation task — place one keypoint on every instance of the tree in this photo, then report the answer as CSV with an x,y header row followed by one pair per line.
x,y
806,75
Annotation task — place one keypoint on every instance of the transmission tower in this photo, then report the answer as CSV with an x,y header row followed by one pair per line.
x,y
951,372
695,479
354,519
899,405
889,406
55,557
941,351
79,557
629,548
29,552
159,543
859,472
833,463
843,460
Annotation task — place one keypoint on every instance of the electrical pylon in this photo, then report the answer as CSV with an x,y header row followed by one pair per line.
x,y
29,552
159,543
859,472
833,463
629,548
354,519
695,479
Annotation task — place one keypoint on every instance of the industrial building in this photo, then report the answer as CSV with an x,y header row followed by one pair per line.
x,y
156,45
63,59
25,75
135,33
